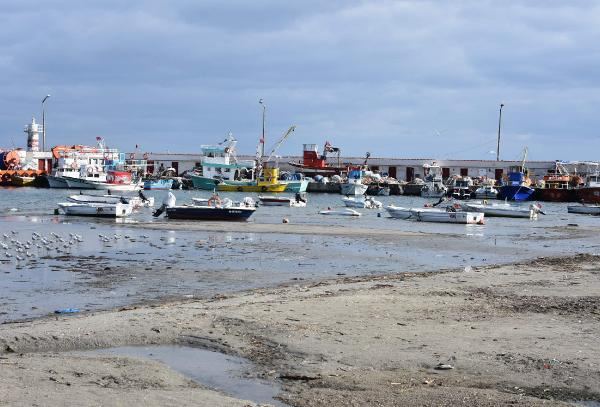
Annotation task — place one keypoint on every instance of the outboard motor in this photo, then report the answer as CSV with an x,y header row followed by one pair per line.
x,y
168,202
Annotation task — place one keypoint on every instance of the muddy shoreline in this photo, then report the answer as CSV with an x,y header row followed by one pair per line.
x,y
523,333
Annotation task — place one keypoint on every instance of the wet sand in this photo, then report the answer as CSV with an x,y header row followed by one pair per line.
x,y
522,333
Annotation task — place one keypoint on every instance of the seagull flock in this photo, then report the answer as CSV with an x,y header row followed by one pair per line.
x,y
37,245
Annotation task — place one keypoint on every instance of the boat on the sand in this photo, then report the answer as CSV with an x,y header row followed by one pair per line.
x,y
449,215
215,208
135,201
361,202
297,201
584,209
504,209
102,210
341,212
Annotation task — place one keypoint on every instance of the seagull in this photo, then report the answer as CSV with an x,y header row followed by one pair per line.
x,y
14,232
7,254
5,236
19,258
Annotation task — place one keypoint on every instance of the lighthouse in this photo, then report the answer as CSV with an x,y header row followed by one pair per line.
x,y
33,131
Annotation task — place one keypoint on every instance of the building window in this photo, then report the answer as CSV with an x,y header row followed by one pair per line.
x,y
464,172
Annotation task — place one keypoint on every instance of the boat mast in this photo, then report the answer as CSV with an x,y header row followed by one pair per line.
x,y
262,140
499,126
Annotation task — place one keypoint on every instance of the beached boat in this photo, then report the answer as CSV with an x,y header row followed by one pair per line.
x,y
433,186
486,192
135,201
584,209
341,212
361,202
160,183
103,210
449,215
297,202
398,212
503,209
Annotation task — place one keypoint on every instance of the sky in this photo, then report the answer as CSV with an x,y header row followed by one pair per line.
x,y
395,78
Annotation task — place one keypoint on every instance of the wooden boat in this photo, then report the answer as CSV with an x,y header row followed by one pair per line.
x,y
503,209
362,202
341,212
269,200
447,216
135,201
22,181
103,210
584,209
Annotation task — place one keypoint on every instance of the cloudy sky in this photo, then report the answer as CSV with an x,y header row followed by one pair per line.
x,y
396,78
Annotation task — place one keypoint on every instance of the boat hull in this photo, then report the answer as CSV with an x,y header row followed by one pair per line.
x,y
98,210
74,183
21,181
158,184
135,201
56,182
353,189
205,183
555,195
209,213
225,187
296,186
588,195
398,212
341,212
443,216
584,210
501,211
515,192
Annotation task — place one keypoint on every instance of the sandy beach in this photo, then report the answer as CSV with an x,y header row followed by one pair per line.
x,y
514,334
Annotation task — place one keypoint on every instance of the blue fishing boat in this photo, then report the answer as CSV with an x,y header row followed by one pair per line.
x,y
160,183
517,186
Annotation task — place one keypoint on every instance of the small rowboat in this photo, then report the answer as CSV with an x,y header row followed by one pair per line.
x,y
584,209
341,212
102,210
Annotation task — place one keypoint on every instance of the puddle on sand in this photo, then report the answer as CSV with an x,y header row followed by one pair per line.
x,y
211,369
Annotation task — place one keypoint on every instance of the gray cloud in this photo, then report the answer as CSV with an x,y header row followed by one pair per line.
x,y
403,78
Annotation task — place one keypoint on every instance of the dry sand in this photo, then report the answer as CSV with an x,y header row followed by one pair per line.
x,y
523,334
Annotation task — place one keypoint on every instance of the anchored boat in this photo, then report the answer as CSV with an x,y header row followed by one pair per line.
x,y
270,200
364,202
504,209
102,210
584,209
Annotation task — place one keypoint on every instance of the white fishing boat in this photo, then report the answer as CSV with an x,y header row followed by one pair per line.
x,y
107,186
103,210
486,192
434,186
361,202
353,184
449,215
135,201
298,201
341,212
584,209
504,209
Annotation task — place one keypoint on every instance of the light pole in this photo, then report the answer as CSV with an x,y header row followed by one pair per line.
x,y
499,126
264,113
44,123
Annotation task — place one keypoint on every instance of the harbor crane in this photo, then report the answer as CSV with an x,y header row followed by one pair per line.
x,y
263,161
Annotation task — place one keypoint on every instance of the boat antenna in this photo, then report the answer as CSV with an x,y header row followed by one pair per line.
x,y
499,127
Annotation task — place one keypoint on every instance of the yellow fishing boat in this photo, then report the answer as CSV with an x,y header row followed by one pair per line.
x,y
269,182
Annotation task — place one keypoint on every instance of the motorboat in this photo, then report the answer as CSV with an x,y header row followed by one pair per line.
x,y
448,215
159,183
398,212
434,186
354,184
135,201
116,181
297,201
361,202
214,209
103,210
486,192
341,212
461,188
584,209
504,209
517,186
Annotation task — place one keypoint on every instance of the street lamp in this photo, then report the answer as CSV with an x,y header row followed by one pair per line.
x,y
499,126
44,123
264,112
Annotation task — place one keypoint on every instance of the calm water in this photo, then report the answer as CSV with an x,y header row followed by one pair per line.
x,y
139,264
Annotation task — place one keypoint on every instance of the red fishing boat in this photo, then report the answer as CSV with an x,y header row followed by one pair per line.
x,y
558,186
314,163
590,191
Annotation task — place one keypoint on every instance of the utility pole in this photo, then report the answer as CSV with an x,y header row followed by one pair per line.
x,y
499,127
